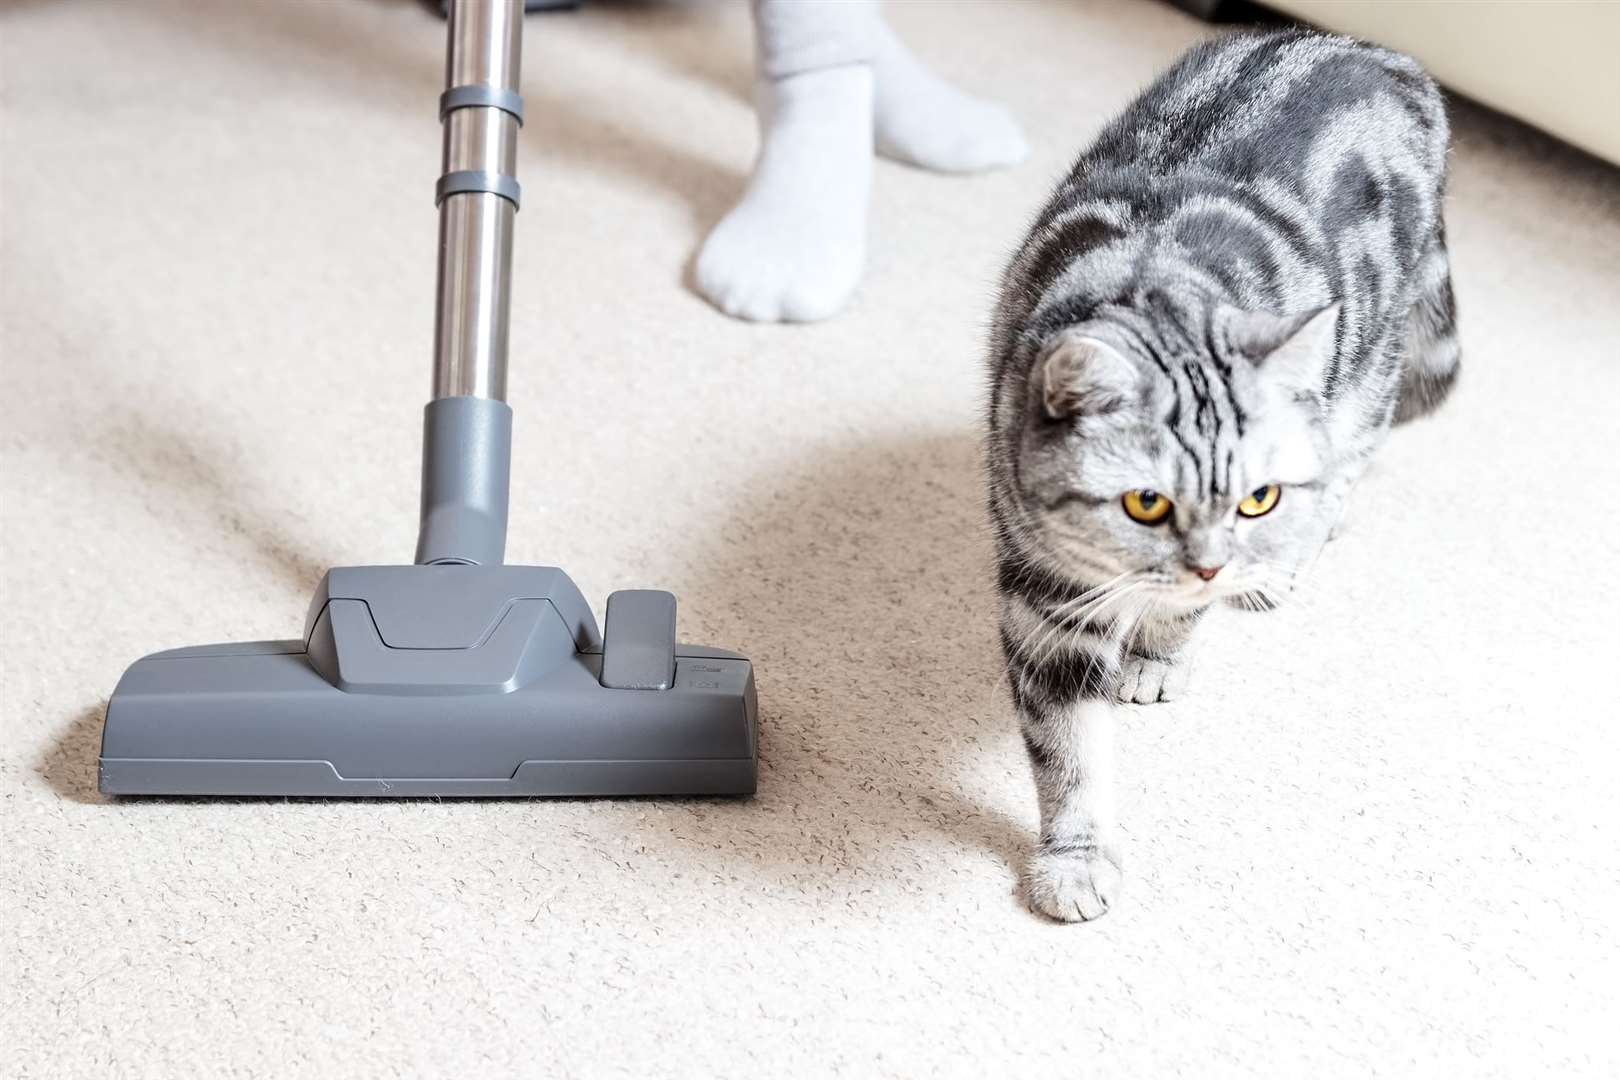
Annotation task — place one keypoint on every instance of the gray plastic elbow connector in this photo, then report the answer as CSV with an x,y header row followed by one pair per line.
x,y
466,481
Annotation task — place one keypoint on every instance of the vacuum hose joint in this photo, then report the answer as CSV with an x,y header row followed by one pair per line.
x,y
466,481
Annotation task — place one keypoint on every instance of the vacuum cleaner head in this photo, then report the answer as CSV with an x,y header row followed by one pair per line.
x,y
459,675
441,680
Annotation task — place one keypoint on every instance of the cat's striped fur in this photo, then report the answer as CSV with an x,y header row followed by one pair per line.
x,y
1241,283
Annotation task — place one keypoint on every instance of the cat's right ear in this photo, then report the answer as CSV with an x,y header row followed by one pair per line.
x,y
1078,374
1293,350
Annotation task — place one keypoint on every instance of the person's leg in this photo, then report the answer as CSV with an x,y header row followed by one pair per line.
x,y
923,120
832,80
792,248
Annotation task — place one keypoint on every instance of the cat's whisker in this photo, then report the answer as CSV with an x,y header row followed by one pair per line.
x,y
1304,590
1279,584
1130,615
1134,589
1077,622
1070,625
1144,604
1278,593
1064,609
1084,607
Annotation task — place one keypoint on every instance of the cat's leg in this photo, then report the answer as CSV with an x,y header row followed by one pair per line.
x,y
1066,714
1432,353
1157,660
924,120
793,247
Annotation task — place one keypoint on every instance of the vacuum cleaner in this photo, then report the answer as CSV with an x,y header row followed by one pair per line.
x,y
458,675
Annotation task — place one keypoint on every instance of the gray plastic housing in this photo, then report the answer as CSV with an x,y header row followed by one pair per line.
x,y
466,480
449,680
640,636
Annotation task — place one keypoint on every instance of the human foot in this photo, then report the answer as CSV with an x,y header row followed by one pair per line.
x,y
792,248
923,120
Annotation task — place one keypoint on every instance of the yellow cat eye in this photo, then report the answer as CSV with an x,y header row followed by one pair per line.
x,y
1260,501
1147,507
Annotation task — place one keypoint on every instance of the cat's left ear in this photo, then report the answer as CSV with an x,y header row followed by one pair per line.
x,y
1079,374
1293,349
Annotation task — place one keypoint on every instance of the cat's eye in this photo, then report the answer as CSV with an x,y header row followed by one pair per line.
x,y
1146,507
1260,501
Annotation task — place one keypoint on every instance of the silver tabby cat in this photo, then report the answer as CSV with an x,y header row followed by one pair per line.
x,y
1206,335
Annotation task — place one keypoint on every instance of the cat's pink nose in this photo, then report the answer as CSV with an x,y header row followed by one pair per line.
x,y
1206,572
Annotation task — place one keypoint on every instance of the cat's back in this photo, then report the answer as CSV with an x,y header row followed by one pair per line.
x,y
1260,168
1294,151
1259,106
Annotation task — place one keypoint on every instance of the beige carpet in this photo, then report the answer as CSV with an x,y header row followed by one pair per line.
x,y
1380,838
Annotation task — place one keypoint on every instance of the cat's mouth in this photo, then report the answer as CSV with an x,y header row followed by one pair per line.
x,y
1191,590
1191,597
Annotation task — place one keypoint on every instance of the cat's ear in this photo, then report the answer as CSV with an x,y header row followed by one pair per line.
x,y
1079,374
1293,349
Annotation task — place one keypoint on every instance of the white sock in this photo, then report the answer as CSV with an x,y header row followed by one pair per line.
x,y
792,249
924,120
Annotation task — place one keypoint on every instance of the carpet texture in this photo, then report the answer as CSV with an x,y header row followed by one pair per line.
x,y
1379,837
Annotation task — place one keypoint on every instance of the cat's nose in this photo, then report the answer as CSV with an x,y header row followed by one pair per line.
x,y
1206,572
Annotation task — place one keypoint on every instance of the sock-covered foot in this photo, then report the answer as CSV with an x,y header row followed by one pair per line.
x,y
924,120
792,249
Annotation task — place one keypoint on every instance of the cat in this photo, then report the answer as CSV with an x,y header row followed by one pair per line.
x,y
1208,331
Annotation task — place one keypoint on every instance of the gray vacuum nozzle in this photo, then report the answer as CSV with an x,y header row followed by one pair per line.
x,y
441,680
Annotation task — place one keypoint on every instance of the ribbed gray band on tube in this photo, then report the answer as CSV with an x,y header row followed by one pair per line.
x,y
452,183
476,95
466,480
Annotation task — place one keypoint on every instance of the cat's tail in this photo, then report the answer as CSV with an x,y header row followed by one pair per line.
x,y
1433,355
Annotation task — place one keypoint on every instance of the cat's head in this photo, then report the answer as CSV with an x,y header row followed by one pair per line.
x,y
1192,464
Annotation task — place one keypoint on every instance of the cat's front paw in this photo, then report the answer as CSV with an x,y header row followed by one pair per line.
x,y
1073,886
1143,681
